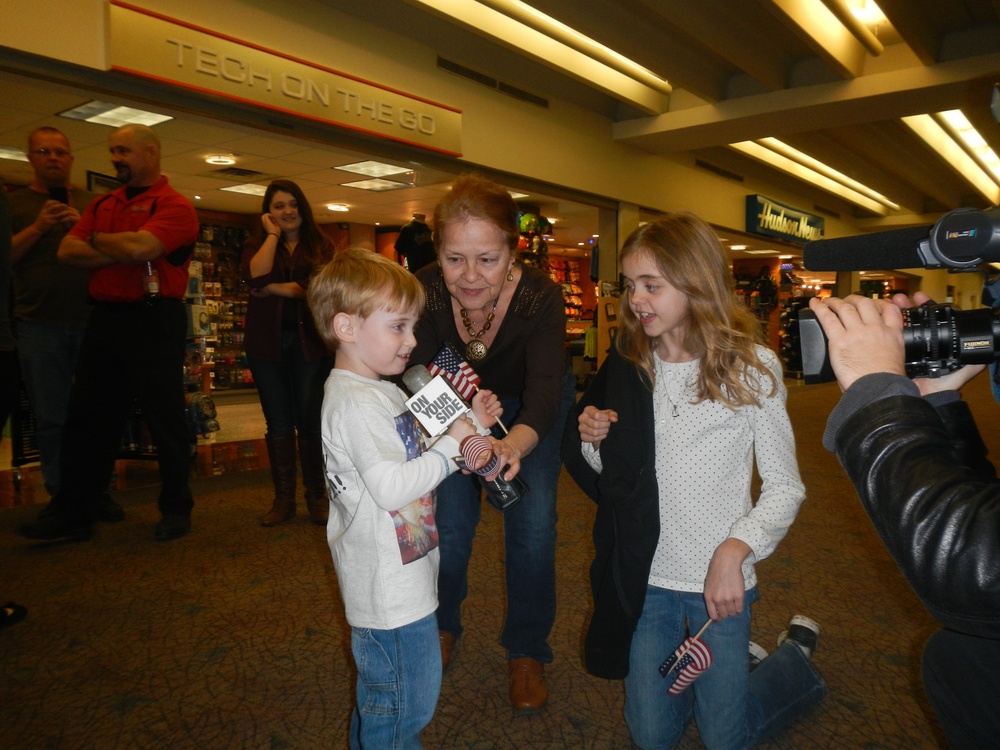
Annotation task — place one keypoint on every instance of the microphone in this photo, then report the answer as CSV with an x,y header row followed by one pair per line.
x,y
896,248
436,409
962,239
434,403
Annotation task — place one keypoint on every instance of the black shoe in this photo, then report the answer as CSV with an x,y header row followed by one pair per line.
x,y
51,525
172,527
107,510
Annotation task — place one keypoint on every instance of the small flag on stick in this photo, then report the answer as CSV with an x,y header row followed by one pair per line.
x,y
689,660
449,364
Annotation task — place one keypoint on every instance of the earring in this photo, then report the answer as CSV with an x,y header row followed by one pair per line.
x,y
510,274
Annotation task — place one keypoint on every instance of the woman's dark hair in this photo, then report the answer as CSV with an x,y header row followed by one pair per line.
x,y
317,245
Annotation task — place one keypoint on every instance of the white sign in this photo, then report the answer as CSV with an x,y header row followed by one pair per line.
x,y
436,406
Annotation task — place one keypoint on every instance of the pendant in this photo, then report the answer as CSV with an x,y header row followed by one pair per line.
x,y
476,350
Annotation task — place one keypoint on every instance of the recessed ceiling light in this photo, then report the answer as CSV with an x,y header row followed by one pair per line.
x,y
737,247
221,159
336,207
14,154
376,185
761,252
247,188
372,168
104,113
515,195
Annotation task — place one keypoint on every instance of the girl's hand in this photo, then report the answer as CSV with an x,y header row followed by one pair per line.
x,y
595,424
725,589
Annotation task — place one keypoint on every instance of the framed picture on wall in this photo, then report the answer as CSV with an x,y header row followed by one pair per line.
x,y
101,183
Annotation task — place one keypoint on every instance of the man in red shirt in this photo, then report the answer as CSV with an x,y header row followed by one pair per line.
x,y
136,242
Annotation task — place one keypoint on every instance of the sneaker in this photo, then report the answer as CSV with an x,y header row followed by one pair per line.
x,y
757,654
172,526
804,632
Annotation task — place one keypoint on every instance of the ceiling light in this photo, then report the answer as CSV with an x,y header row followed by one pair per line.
x,y
372,168
954,155
974,142
224,160
761,252
336,207
103,113
516,196
737,247
377,185
548,41
782,162
14,154
247,188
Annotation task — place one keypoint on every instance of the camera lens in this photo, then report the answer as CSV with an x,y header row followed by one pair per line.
x,y
939,339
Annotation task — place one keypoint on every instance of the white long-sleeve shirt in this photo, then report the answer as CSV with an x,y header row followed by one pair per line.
x,y
704,469
381,531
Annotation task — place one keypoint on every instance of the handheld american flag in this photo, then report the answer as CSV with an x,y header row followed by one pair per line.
x,y
450,365
689,660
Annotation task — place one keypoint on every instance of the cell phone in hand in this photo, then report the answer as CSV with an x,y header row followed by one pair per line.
x,y
60,194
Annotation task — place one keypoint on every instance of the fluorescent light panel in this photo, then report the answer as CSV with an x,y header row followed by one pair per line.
x,y
103,113
14,154
372,168
376,185
247,188
760,152
974,142
954,155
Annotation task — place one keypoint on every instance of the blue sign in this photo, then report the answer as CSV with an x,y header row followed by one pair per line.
x,y
773,219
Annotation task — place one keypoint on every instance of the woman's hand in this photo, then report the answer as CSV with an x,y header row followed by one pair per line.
x,y
509,455
725,589
270,227
595,424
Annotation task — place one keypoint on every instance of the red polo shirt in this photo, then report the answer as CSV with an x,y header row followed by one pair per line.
x,y
160,210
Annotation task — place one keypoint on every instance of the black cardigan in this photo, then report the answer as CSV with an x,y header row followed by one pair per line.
x,y
627,526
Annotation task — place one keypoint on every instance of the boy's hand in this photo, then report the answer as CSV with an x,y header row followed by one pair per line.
x,y
461,428
486,407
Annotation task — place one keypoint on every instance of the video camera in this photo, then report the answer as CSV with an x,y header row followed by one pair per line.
x,y
937,339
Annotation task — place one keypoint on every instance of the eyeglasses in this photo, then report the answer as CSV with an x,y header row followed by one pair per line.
x,y
61,153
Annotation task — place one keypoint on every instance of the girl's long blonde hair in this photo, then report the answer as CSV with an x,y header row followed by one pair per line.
x,y
720,331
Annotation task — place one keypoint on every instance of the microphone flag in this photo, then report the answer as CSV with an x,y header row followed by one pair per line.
x,y
689,660
449,364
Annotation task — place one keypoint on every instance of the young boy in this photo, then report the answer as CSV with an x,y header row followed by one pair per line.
x,y
381,480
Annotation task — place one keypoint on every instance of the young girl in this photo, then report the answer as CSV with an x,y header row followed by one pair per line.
x,y
671,425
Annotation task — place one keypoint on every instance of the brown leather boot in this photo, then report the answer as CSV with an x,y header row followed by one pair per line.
x,y
314,477
281,450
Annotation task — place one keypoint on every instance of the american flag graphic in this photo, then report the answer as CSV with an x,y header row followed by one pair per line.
x,y
449,364
690,660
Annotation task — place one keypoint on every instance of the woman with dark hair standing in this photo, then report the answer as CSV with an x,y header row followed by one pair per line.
x,y
509,322
287,357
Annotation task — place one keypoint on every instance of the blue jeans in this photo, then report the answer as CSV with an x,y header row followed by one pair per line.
x,y
48,354
529,542
291,391
732,707
399,679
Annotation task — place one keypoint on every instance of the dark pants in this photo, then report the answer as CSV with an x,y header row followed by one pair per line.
x,y
962,680
131,351
291,391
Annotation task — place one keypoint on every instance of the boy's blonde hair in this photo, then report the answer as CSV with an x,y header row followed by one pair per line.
x,y
359,282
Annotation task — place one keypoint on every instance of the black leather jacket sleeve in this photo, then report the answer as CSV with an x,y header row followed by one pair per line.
x,y
923,477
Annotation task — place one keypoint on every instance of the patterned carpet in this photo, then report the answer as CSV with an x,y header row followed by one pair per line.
x,y
234,637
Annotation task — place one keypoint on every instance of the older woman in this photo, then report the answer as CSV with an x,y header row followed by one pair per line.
x,y
509,323
288,359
